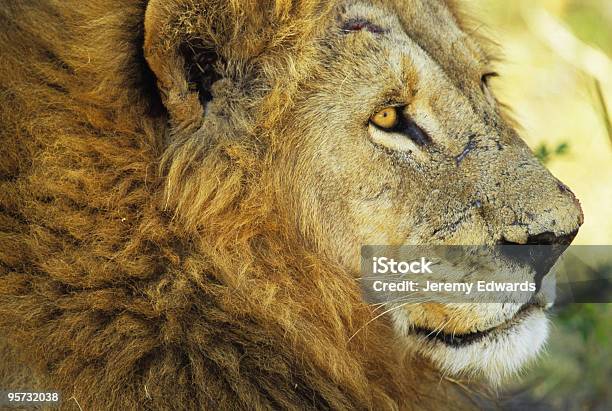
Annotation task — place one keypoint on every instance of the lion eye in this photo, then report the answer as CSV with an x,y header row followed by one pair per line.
x,y
484,86
485,78
386,118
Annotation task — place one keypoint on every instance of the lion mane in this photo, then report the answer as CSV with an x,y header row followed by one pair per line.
x,y
141,268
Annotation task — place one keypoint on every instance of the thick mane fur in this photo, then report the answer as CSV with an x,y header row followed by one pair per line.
x,y
141,269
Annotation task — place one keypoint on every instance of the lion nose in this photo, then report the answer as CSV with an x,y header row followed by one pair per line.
x,y
550,238
540,251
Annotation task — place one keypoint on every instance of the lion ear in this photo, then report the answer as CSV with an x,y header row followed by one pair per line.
x,y
187,43
190,44
171,56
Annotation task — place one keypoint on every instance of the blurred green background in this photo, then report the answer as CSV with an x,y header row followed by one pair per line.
x,y
556,75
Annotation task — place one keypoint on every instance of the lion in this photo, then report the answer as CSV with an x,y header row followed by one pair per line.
x,y
186,185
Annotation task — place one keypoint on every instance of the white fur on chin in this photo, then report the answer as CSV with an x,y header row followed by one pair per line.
x,y
496,357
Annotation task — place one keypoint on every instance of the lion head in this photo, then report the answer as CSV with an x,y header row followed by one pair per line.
x,y
391,135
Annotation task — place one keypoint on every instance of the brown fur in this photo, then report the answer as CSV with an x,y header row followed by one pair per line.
x,y
118,304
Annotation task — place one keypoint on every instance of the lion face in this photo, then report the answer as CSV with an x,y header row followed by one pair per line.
x,y
389,135
400,141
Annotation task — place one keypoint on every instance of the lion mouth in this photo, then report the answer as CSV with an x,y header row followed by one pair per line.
x,y
459,340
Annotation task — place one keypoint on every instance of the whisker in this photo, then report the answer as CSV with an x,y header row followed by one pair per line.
x,y
374,319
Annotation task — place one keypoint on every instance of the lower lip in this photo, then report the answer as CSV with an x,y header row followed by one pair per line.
x,y
467,339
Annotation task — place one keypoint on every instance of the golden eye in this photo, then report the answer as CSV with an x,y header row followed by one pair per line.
x,y
386,118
